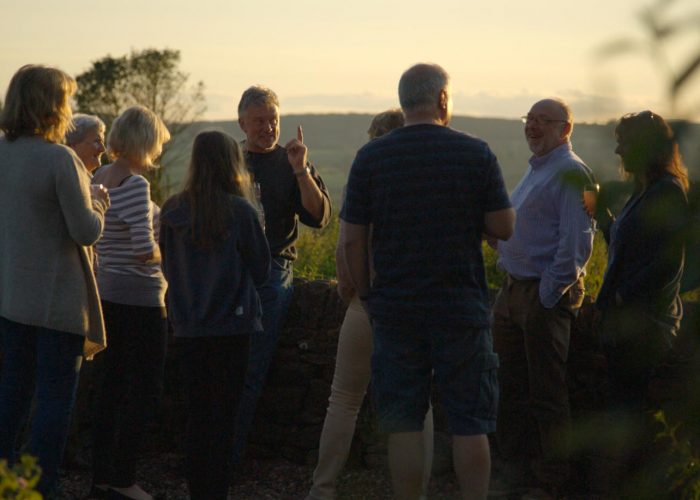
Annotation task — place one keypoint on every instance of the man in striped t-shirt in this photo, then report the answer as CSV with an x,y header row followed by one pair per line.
x,y
430,194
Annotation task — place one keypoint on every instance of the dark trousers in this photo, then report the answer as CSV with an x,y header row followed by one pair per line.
x,y
214,369
635,344
46,362
129,384
275,296
532,343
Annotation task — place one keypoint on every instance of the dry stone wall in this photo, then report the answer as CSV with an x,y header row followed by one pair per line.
x,y
291,412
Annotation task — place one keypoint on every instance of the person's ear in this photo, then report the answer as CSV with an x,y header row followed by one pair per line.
x,y
241,123
566,129
442,102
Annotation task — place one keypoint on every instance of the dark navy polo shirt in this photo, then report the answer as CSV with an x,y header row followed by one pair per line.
x,y
425,189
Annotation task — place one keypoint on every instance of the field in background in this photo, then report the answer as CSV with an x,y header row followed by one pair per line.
x,y
317,258
333,140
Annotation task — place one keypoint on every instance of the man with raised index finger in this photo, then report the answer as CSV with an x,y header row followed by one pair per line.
x,y
291,191
429,193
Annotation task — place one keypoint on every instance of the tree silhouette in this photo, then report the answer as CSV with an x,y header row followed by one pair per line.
x,y
661,28
148,77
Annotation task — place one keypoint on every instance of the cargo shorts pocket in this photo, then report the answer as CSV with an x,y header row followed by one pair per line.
x,y
486,371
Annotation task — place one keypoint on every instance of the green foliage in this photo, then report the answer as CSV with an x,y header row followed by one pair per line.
x,y
317,252
151,78
683,474
494,275
19,481
317,258
595,270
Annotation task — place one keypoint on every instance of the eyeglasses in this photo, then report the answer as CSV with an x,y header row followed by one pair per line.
x,y
540,120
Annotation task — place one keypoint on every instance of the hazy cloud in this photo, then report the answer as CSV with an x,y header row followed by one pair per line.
x,y
325,103
587,107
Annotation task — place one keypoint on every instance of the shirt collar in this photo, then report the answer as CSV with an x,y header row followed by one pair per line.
x,y
538,161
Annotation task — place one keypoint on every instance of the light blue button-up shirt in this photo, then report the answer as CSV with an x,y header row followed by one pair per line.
x,y
553,235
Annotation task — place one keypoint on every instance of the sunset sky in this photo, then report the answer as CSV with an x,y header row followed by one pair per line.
x,y
326,56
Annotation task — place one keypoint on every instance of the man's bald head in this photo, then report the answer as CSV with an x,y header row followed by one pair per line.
x,y
559,108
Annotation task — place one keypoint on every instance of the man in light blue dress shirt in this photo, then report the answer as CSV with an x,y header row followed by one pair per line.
x,y
545,260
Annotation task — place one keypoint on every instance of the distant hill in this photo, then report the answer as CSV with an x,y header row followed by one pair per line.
x,y
333,140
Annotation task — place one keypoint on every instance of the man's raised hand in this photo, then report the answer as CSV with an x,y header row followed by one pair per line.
x,y
297,152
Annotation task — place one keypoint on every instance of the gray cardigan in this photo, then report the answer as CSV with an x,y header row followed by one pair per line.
x,y
47,220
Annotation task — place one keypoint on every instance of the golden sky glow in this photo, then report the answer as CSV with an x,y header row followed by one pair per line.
x,y
323,56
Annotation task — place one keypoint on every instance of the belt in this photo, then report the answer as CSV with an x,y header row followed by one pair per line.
x,y
510,279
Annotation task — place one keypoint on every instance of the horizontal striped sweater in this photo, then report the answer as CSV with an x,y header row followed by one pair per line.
x,y
131,229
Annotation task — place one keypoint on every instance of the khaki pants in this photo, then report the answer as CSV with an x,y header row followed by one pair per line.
x,y
350,381
532,343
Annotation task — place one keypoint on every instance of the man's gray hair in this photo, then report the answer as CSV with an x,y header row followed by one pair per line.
x,y
567,112
566,109
257,95
82,124
420,87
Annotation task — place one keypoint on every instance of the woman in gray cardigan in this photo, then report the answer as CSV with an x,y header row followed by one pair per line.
x,y
49,308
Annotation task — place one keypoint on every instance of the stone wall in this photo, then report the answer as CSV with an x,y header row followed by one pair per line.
x,y
294,402
291,412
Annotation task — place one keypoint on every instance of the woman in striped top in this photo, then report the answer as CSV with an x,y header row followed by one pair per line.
x,y
132,289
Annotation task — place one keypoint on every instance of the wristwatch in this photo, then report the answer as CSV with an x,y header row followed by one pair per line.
x,y
304,172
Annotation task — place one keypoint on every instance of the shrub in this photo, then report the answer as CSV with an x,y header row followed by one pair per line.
x,y
19,481
317,252
683,474
317,258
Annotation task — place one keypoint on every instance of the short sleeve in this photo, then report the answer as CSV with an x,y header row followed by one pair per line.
x,y
495,193
357,206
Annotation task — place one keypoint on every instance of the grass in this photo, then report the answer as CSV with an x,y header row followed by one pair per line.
x,y
316,260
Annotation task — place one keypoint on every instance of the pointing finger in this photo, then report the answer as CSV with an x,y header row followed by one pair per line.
x,y
300,134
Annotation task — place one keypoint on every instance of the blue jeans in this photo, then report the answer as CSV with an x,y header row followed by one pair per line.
x,y
46,362
275,296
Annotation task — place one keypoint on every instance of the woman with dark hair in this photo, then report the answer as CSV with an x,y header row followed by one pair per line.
x,y
50,313
214,255
639,296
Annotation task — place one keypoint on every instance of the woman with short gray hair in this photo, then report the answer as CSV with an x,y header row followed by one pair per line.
x,y
87,139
